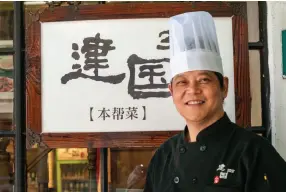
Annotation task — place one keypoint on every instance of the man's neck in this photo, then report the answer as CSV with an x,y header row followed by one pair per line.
x,y
194,128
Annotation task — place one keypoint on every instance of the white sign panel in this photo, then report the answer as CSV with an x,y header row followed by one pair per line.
x,y
112,75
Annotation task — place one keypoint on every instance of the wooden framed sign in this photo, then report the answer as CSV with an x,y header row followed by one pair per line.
x,y
98,75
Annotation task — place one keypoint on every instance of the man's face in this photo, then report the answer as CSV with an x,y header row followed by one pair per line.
x,y
198,95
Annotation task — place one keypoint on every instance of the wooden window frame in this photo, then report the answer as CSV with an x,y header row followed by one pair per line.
x,y
236,10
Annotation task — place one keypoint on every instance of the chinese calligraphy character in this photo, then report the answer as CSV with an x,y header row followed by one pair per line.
x,y
221,167
147,69
95,50
164,40
223,175
104,113
230,170
132,113
118,113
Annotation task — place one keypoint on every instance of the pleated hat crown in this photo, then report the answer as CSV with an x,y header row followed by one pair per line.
x,y
193,43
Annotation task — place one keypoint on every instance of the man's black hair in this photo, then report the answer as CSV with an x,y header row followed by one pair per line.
x,y
220,79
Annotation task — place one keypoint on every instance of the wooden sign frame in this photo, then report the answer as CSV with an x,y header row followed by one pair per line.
x,y
127,11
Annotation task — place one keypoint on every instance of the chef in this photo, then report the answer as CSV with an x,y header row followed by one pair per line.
x,y
211,153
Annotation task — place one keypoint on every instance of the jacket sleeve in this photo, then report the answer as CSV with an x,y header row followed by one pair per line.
x,y
266,170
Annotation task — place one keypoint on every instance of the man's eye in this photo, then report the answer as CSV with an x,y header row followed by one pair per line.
x,y
204,80
181,82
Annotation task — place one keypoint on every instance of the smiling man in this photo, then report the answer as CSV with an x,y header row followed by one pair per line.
x,y
212,153
198,96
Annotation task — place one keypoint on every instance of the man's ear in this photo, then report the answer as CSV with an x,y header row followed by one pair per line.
x,y
170,88
225,87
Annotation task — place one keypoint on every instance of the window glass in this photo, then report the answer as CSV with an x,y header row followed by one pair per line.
x,y
253,18
128,169
255,89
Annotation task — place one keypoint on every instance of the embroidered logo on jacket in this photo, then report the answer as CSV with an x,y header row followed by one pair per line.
x,y
223,173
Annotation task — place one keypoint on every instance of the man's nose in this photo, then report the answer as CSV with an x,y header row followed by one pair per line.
x,y
193,88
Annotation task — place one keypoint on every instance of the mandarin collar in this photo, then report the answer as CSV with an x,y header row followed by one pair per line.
x,y
218,128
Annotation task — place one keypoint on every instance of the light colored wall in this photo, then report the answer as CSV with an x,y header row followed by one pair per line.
x,y
276,19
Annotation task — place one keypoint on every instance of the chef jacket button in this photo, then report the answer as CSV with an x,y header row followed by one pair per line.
x,y
194,180
182,149
176,180
203,148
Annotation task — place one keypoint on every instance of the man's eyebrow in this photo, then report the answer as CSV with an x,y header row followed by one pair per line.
x,y
205,73
178,77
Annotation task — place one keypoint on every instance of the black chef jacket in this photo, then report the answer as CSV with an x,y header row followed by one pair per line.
x,y
225,158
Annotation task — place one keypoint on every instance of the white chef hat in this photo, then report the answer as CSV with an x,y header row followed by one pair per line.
x,y
193,43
